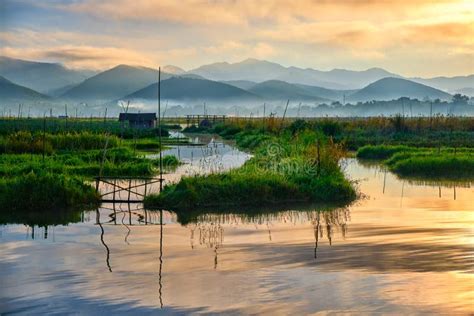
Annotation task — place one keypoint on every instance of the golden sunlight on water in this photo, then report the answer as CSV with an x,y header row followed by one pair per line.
x,y
404,248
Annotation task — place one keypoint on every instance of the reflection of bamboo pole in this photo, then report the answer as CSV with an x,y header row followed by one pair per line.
x,y
159,129
102,232
316,236
161,260
384,180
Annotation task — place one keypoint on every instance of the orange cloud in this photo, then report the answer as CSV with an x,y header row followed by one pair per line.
x,y
452,32
82,56
436,36
246,11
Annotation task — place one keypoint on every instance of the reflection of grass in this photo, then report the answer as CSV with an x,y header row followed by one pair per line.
x,y
445,163
285,168
333,214
44,217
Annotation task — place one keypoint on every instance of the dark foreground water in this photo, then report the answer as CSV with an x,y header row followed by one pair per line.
x,y
407,247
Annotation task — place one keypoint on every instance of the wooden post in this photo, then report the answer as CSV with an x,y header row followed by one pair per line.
x,y
318,170
129,189
159,128
284,114
102,166
431,115
44,134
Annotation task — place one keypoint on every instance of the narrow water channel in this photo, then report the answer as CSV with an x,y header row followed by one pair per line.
x,y
405,247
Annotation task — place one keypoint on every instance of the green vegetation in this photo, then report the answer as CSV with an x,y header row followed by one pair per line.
x,y
39,191
78,125
26,142
444,166
443,163
118,161
169,162
436,131
44,168
287,167
380,151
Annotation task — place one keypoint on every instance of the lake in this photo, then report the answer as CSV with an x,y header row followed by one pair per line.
x,y
404,247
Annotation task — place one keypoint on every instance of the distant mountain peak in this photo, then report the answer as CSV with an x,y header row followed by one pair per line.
x,y
175,70
391,88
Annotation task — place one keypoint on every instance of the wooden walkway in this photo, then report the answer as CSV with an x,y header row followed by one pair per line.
x,y
197,119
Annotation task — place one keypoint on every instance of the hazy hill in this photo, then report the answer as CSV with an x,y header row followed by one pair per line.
x,y
40,76
394,88
242,84
249,69
113,83
261,70
10,91
182,88
331,94
449,84
281,90
170,69
339,79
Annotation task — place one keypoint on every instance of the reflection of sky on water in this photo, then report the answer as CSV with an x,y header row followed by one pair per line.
x,y
401,249
215,156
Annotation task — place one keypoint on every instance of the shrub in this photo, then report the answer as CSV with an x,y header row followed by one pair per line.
x,y
40,191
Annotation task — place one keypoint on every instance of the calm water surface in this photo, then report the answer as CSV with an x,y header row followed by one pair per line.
x,y
406,247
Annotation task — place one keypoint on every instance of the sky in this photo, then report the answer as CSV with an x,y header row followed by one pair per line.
x,y
423,38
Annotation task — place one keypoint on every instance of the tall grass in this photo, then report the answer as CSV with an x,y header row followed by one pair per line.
x,y
431,164
423,162
26,142
381,151
73,125
118,161
358,132
43,190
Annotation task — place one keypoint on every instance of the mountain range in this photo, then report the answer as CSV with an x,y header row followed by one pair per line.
x,y
194,89
249,80
260,70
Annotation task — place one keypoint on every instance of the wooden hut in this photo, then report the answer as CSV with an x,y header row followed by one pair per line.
x,y
139,120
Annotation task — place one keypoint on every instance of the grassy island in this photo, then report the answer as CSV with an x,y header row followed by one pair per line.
x,y
289,165
442,163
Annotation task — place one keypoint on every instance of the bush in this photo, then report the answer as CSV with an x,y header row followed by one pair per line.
x,y
442,166
45,191
381,151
